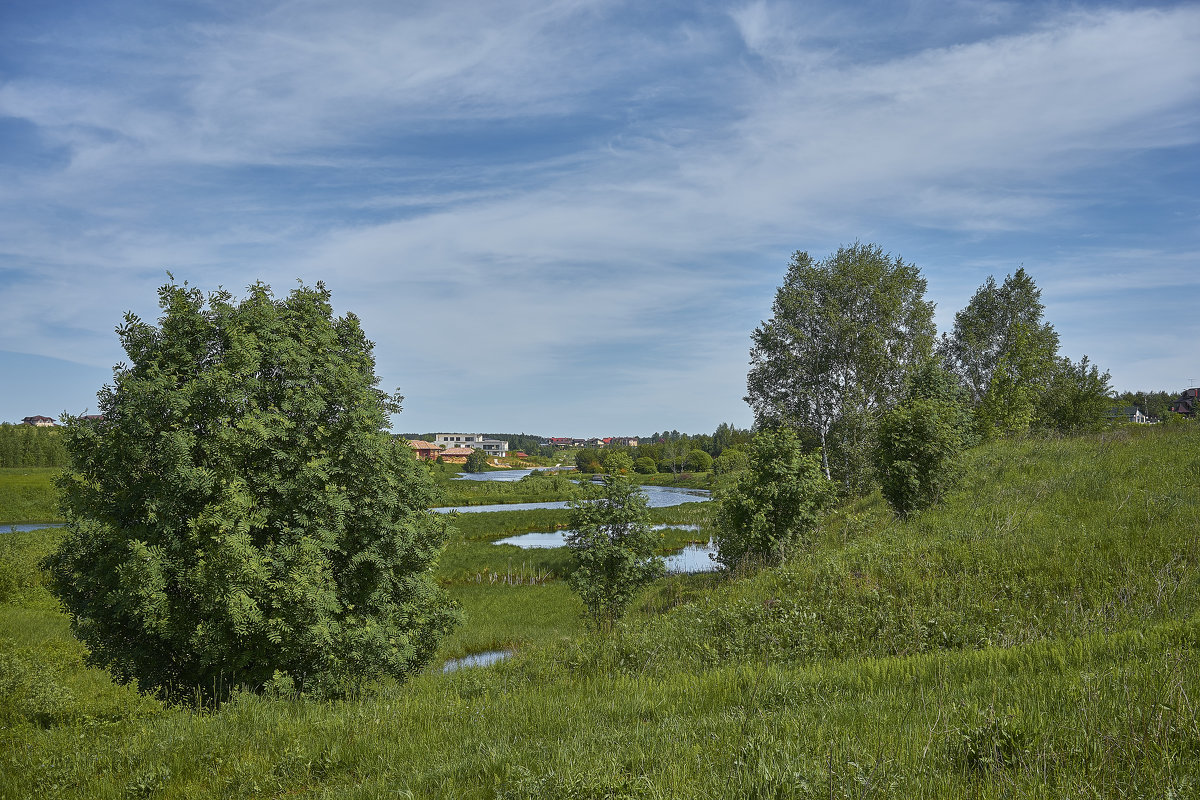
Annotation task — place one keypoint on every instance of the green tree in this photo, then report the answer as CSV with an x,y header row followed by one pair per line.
x,y
732,459
698,461
476,462
588,460
645,466
1018,384
617,462
920,442
1003,352
241,516
843,335
612,549
1077,397
774,504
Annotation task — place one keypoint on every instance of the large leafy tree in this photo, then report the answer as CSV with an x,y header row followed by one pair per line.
x,y
612,549
1000,343
240,515
843,335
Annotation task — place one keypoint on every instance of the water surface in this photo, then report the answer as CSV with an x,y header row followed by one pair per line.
x,y
476,660
656,497
31,526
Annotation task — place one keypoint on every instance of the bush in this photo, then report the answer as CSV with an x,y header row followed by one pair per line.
x,y
588,460
612,549
618,463
698,461
645,466
476,462
240,516
1077,398
730,461
774,504
917,453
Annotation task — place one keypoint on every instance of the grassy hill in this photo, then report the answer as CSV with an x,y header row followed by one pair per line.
x,y
1035,636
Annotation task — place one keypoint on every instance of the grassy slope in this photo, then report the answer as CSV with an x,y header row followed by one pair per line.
x,y
27,495
1037,636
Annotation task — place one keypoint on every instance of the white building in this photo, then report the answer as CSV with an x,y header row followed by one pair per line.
x,y
492,447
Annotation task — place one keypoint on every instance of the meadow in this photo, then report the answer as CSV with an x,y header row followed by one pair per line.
x,y
27,495
1036,635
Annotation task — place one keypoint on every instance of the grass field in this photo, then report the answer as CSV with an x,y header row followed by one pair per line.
x,y
1037,635
27,494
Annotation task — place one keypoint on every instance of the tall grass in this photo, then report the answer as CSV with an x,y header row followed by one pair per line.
x,y
27,494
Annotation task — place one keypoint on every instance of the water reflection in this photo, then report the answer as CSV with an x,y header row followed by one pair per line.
x,y
476,660
656,497
548,539
691,559
508,475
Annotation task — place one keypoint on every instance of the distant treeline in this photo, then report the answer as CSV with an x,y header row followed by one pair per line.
x,y
1152,404
30,446
669,450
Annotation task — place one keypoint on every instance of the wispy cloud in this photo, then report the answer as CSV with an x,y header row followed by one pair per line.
x,y
580,194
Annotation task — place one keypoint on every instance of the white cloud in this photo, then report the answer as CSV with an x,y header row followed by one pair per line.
x,y
715,166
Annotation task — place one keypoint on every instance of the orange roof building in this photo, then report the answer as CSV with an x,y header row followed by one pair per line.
x,y
425,451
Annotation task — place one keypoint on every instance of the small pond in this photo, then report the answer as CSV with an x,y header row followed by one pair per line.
x,y
548,539
476,660
692,558
30,526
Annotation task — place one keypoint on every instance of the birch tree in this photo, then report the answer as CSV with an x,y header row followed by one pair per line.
x,y
843,334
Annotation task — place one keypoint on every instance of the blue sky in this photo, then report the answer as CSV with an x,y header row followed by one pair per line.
x,y
566,217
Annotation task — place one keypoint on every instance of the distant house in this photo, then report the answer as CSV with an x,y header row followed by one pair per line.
x,y
496,448
425,451
39,422
560,441
1188,403
622,441
1129,414
456,455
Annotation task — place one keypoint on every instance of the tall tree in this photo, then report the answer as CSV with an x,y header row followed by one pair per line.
x,y
240,516
843,335
1001,329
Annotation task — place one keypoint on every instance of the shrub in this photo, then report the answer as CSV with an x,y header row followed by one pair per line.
x,y
730,461
917,454
618,463
476,462
774,504
698,461
612,549
240,515
645,466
